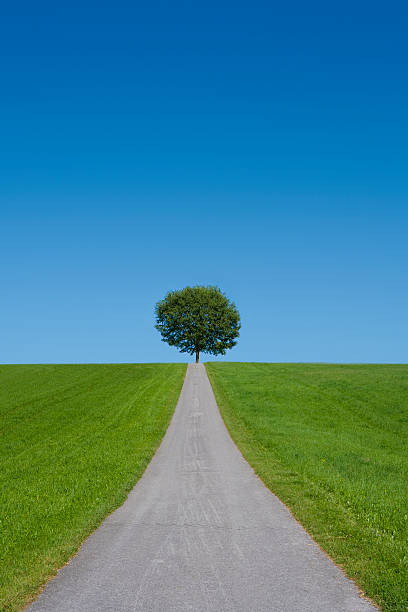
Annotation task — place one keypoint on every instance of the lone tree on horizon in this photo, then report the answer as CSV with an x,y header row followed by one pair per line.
x,y
198,319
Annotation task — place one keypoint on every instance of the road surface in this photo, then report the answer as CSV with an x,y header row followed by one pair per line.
x,y
200,532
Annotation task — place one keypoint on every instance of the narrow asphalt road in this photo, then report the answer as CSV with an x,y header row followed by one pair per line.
x,y
200,532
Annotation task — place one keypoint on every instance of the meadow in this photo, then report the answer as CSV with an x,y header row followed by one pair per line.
x,y
74,441
331,442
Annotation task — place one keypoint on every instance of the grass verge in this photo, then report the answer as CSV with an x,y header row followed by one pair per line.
x,y
75,439
331,441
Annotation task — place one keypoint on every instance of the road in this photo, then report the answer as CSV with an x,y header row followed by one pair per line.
x,y
200,532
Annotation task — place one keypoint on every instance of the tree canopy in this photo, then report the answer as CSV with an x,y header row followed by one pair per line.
x,y
198,319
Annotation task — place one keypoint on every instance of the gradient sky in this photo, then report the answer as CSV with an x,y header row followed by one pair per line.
x,y
260,147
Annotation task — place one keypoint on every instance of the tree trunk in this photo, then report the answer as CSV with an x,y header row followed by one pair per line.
x,y
197,355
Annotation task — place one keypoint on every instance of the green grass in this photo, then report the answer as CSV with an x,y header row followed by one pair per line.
x,y
74,440
332,442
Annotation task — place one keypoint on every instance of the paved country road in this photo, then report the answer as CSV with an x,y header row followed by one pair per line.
x,y
200,532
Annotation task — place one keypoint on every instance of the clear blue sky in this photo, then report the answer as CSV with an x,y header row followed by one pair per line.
x,y
257,146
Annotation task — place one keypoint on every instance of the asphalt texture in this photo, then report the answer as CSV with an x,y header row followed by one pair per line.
x,y
200,532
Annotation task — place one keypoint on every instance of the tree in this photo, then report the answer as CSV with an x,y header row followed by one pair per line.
x,y
198,319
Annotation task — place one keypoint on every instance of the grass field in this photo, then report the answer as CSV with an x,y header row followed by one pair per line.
x,y
74,440
332,442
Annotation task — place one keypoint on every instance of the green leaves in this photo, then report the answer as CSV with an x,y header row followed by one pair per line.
x,y
198,319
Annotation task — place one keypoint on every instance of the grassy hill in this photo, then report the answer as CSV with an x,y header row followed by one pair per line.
x,y
74,440
332,442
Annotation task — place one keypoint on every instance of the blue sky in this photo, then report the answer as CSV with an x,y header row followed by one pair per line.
x,y
258,147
